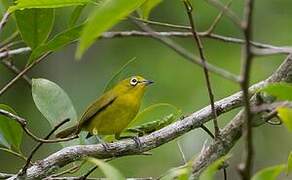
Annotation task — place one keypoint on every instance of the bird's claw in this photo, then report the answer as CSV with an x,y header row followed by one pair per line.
x,y
137,141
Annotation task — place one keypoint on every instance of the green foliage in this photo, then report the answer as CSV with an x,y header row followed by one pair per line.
x,y
105,16
152,126
282,91
52,101
269,173
10,130
3,6
156,111
118,75
286,116
109,171
209,172
75,15
59,41
28,4
289,163
147,7
35,25
179,173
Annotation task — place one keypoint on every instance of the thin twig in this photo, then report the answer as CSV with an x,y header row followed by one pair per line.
x,y
15,70
84,177
187,55
8,53
4,20
181,152
9,39
10,83
21,156
5,175
161,23
218,18
36,148
207,131
226,11
23,124
27,131
199,44
71,170
20,120
276,49
246,168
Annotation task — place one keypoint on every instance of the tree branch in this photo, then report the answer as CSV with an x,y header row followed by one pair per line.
x,y
8,53
233,131
15,70
67,155
4,20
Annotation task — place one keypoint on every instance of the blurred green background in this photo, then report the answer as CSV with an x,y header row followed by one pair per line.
x,y
178,82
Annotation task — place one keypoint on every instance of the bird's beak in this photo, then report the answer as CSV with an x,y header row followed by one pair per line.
x,y
148,82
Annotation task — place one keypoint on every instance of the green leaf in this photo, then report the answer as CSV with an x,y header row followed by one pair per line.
x,y
289,163
281,91
59,41
3,6
269,173
35,25
147,7
109,171
180,173
155,111
10,130
286,116
52,101
3,141
27,4
75,15
117,76
106,15
149,127
209,172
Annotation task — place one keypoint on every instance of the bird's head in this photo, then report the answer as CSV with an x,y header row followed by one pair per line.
x,y
135,85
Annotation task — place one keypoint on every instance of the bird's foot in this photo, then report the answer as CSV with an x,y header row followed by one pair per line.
x,y
135,139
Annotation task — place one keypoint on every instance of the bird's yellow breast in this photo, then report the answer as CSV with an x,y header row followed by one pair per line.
x,y
116,117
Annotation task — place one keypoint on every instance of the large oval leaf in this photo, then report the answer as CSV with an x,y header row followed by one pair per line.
x,y
281,91
105,16
27,4
52,101
109,171
35,25
269,173
10,130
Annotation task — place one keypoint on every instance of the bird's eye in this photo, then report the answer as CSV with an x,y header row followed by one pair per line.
x,y
133,81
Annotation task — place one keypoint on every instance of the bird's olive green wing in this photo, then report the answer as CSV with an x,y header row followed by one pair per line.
x,y
98,106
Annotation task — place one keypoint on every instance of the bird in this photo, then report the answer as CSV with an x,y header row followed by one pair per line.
x,y
112,112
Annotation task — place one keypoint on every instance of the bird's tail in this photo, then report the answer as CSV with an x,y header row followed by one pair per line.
x,y
68,132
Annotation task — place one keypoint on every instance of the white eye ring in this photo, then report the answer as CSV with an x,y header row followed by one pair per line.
x,y
134,81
